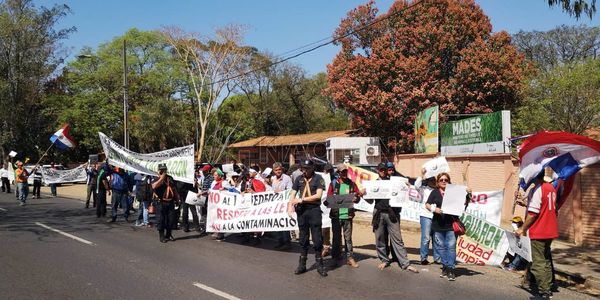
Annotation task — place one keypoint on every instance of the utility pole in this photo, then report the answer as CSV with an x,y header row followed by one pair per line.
x,y
125,104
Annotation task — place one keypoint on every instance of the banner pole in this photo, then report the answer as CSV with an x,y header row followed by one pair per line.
x,y
43,155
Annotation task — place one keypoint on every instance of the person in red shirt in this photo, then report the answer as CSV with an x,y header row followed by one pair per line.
x,y
254,185
542,227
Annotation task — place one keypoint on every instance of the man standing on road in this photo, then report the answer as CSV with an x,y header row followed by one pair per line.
x,y
37,183
92,174
166,196
120,189
102,187
4,178
281,182
53,185
21,176
183,189
386,225
205,187
308,211
542,227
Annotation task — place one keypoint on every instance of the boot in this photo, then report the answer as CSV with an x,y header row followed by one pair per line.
x,y
444,272
161,236
320,266
301,265
170,236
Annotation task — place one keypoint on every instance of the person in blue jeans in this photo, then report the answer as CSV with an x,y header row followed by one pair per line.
x,y
120,191
441,224
425,187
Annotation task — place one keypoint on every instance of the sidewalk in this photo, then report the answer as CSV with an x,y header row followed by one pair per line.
x,y
574,266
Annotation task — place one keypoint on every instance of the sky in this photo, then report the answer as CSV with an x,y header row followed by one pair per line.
x,y
276,26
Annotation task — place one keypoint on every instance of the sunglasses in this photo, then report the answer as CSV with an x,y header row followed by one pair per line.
x,y
443,180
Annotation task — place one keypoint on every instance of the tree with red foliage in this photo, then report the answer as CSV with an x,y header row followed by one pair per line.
x,y
417,55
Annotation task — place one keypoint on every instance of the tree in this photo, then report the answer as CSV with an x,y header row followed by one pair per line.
x,y
566,98
576,7
210,63
30,54
561,45
159,115
418,55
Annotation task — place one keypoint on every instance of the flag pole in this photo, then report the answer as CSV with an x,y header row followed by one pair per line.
x,y
43,155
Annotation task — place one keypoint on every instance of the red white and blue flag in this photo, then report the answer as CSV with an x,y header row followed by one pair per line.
x,y
566,153
61,139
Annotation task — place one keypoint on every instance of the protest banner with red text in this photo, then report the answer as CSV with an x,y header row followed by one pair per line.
x,y
483,244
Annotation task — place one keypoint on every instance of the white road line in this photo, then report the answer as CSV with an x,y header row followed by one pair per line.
x,y
215,291
65,234
2,209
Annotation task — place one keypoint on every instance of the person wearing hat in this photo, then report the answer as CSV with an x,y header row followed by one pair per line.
x,y
165,196
254,185
21,176
341,219
542,228
517,262
307,206
386,225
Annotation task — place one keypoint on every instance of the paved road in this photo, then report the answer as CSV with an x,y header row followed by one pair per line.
x,y
127,262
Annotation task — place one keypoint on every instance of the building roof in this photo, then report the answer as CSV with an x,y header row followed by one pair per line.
x,y
291,140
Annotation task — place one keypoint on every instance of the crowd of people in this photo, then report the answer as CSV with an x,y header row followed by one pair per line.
x,y
163,196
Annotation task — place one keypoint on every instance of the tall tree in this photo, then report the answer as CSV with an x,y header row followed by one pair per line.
x,y
420,54
30,53
210,63
565,98
561,45
576,7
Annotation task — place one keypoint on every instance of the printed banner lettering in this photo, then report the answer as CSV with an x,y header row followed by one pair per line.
x,y
487,206
481,134
483,244
52,176
179,161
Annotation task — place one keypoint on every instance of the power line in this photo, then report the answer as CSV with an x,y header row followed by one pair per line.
x,y
330,40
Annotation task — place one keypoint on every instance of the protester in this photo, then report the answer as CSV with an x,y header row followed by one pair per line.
x,y
21,176
425,187
441,224
53,185
517,262
341,219
102,186
4,178
254,185
235,181
119,187
183,189
166,198
326,232
542,228
218,184
92,174
281,182
37,183
295,172
386,225
203,194
308,210
143,193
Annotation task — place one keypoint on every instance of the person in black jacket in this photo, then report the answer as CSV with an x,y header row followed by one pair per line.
x,y
441,225
183,189
166,197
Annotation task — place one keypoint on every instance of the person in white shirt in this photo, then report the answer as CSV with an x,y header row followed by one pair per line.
x,y
281,182
4,178
425,186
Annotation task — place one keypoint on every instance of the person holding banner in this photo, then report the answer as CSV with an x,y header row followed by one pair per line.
x,y
386,225
308,211
441,224
21,176
183,189
219,184
341,218
425,187
165,197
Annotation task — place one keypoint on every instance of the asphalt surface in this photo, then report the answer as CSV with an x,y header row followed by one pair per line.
x,y
128,262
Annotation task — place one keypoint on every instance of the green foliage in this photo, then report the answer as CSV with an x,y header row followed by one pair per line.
x,y
576,7
566,98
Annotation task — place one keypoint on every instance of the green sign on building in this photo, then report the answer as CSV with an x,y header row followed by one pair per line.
x,y
482,134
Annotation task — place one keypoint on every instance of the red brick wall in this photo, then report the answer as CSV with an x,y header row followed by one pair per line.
x,y
590,203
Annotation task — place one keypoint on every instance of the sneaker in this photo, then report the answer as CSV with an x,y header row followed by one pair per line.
x,y
451,276
138,224
22,204
424,262
111,220
444,272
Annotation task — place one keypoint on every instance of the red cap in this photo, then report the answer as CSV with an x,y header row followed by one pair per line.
x,y
206,168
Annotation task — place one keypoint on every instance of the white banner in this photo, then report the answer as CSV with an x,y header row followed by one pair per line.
x,y
53,176
179,161
487,206
436,166
483,244
519,245
454,200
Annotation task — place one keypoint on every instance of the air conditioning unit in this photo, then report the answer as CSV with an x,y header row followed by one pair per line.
x,y
372,150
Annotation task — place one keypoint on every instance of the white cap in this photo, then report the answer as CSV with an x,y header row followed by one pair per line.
x,y
252,171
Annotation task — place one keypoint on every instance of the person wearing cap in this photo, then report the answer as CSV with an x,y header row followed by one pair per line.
x,y
166,197
308,211
281,182
386,225
341,219
517,262
542,228
234,181
21,176
254,185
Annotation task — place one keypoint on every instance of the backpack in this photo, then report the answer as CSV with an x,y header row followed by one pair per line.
x,y
118,183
